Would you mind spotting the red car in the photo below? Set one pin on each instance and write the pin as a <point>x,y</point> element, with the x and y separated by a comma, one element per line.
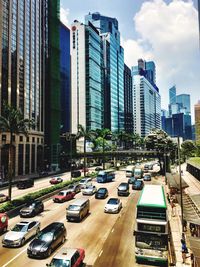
<point>63,196</point>
<point>56,180</point>
<point>72,257</point>
<point>3,222</point>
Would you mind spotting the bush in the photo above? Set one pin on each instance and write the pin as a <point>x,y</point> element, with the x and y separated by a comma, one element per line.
<point>32,196</point>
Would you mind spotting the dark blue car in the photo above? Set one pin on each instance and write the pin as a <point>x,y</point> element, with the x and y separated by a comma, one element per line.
<point>138,185</point>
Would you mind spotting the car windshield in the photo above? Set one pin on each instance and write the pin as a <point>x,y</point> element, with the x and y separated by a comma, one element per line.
<point>30,205</point>
<point>61,193</point>
<point>46,237</point>
<point>71,186</point>
<point>89,187</point>
<point>82,181</point>
<point>138,182</point>
<point>59,263</point>
<point>151,241</point>
<point>73,207</point>
<point>102,191</point>
<point>113,201</point>
<point>19,228</point>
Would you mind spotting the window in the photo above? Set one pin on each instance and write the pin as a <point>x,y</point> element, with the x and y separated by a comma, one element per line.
<point>3,138</point>
<point>21,138</point>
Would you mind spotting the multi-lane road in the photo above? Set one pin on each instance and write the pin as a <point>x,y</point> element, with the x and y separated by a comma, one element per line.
<point>107,238</point>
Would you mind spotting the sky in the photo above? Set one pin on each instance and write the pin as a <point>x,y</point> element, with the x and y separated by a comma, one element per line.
<point>165,31</point>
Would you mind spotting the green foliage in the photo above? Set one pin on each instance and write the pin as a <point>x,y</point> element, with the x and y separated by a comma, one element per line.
<point>188,149</point>
<point>195,161</point>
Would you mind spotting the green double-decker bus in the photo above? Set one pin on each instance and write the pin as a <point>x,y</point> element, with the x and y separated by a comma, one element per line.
<point>151,226</point>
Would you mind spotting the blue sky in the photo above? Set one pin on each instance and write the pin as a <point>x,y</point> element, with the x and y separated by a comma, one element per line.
<point>165,31</point>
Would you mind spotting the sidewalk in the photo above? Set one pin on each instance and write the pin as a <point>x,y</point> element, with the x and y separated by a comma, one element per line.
<point>175,222</point>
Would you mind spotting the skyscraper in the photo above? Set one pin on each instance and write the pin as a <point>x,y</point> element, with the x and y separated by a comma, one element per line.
<point>197,120</point>
<point>128,100</point>
<point>113,66</point>
<point>172,95</point>
<point>184,101</point>
<point>65,78</point>
<point>147,106</point>
<point>22,76</point>
<point>87,95</point>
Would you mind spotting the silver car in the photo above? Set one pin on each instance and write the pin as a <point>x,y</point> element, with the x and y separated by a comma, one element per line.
<point>85,181</point>
<point>20,233</point>
<point>89,190</point>
<point>113,205</point>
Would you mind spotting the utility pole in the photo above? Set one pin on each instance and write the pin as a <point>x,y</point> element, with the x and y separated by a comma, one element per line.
<point>181,192</point>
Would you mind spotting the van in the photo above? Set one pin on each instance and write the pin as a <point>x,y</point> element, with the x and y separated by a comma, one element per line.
<point>130,171</point>
<point>25,183</point>
<point>75,174</point>
<point>123,189</point>
<point>78,209</point>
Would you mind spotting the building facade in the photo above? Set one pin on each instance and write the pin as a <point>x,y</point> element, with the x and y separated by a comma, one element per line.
<point>146,106</point>
<point>184,101</point>
<point>113,68</point>
<point>21,79</point>
<point>197,121</point>
<point>65,73</point>
<point>128,100</point>
<point>87,95</point>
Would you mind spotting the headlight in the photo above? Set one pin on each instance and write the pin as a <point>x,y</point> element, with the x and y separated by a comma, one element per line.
<point>43,249</point>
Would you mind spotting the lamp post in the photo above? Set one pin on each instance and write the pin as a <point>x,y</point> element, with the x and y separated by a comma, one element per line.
<point>181,193</point>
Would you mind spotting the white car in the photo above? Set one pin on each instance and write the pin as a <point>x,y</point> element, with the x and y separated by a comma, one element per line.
<point>89,190</point>
<point>85,181</point>
<point>20,233</point>
<point>113,205</point>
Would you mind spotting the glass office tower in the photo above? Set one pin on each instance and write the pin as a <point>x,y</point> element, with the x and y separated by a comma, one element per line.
<point>184,101</point>
<point>128,100</point>
<point>113,55</point>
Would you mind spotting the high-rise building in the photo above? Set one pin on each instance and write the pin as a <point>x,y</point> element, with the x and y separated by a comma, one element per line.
<point>21,78</point>
<point>87,95</point>
<point>28,78</point>
<point>172,95</point>
<point>147,106</point>
<point>184,101</point>
<point>113,66</point>
<point>65,78</point>
<point>197,120</point>
<point>128,100</point>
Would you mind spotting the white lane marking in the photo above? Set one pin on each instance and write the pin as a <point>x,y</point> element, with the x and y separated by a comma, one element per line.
<point>112,230</point>
<point>7,263</point>
<point>100,253</point>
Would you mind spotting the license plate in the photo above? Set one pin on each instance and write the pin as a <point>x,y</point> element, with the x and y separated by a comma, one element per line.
<point>34,252</point>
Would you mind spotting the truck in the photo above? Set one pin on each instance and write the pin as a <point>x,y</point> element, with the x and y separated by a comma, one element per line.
<point>138,172</point>
<point>105,176</point>
<point>130,171</point>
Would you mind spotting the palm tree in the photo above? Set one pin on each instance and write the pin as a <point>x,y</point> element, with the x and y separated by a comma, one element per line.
<point>13,122</point>
<point>103,134</point>
<point>87,135</point>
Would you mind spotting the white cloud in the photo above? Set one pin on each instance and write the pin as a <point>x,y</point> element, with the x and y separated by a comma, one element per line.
<point>64,13</point>
<point>169,36</point>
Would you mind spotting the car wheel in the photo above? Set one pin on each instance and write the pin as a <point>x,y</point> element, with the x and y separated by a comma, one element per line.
<point>22,242</point>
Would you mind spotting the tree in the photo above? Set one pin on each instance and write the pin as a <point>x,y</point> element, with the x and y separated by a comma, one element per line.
<point>87,135</point>
<point>13,122</point>
<point>102,135</point>
<point>188,149</point>
<point>160,141</point>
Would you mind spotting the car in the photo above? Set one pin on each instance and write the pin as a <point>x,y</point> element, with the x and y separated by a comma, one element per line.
<point>76,188</point>
<point>97,169</point>
<point>131,180</point>
<point>32,209</point>
<point>113,205</point>
<point>68,257</point>
<point>25,183</point>
<point>3,222</point>
<point>138,185</point>
<point>75,173</point>
<point>3,198</point>
<point>123,189</point>
<point>43,173</point>
<point>89,190</point>
<point>47,240</point>
<point>147,177</point>
<point>56,180</point>
<point>63,196</point>
<point>102,192</point>
<point>85,181</point>
<point>20,233</point>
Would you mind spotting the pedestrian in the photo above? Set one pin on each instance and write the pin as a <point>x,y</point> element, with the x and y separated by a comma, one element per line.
<point>172,206</point>
<point>184,250</point>
<point>168,198</point>
<point>184,225</point>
